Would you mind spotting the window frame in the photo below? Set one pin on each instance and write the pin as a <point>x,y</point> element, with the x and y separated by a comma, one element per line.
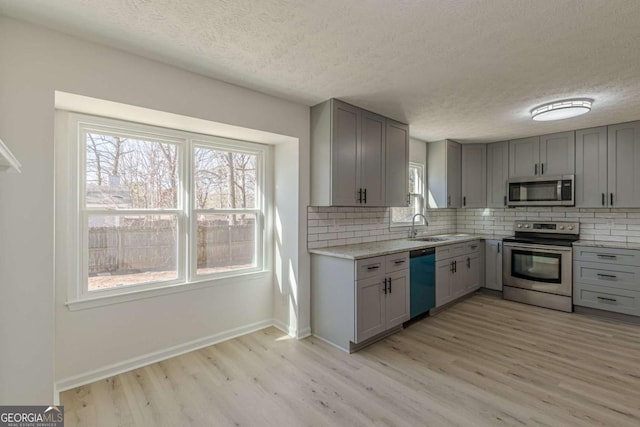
<point>419,197</point>
<point>74,142</point>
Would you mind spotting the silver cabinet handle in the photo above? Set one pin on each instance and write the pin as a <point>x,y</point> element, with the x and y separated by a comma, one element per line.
<point>607,256</point>
<point>541,168</point>
<point>607,299</point>
<point>373,267</point>
<point>385,286</point>
<point>399,261</point>
<point>607,276</point>
<point>389,284</point>
<point>498,247</point>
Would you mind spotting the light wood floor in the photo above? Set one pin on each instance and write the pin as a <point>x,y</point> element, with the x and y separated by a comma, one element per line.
<point>483,362</point>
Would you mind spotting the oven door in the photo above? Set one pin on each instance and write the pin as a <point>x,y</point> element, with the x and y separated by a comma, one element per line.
<point>540,268</point>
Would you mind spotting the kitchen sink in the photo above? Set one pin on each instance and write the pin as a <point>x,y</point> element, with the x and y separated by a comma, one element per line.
<point>433,239</point>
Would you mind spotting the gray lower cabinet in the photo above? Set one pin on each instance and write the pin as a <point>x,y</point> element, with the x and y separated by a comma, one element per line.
<point>493,264</point>
<point>607,279</point>
<point>354,301</point>
<point>458,268</point>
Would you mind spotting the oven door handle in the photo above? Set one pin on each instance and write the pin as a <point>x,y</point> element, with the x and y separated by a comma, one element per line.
<point>539,248</point>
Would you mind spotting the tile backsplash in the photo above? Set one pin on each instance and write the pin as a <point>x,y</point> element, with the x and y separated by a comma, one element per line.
<point>613,225</point>
<point>333,226</point>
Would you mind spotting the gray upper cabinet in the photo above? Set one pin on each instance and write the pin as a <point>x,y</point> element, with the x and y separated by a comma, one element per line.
<point>349,157</point>
<point>624,165</point>
<point>345,137</point>
<point>557,154</point>
<point>591,168</point>
<point>524,156</point>
<point>552,154</point>
<point>444,170</point>
<point>397,165</point>
<point>371,163</point>
<point>474,175</point>
<point>497,174</point>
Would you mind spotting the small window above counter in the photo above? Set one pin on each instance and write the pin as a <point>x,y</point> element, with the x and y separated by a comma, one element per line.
<point>8,163</point>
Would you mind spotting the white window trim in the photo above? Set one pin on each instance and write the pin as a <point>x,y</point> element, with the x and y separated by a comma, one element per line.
<point>406,225</point>
<point>69,127</point>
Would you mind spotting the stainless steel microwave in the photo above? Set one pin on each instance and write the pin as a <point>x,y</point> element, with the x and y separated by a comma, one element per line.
<point>541,191</point>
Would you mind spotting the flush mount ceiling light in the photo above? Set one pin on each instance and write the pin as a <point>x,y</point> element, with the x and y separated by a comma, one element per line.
<point>561,109</point>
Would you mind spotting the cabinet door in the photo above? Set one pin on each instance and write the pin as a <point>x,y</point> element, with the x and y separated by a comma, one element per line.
<point>557,154</point>
<point>370,308</point>
<point>459,278</point>
<point>397,299</point>
<point>444,273</point>
<point>493,264</point>
<point>474,175</point>
<point>591,168</point>
<point>372,159</point>
<point>624,165</point>
<point>472,270</point>
<point>454,161</point>
<point>397,164</point>
<point>524,156</point>
<point>345,129</point>
<point>497,174</point>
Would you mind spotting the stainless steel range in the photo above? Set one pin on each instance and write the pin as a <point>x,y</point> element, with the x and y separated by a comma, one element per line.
<point>537,264</point>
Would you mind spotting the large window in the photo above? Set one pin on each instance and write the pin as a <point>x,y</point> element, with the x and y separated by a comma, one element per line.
<point>401,217</point>
<point>160,207</point>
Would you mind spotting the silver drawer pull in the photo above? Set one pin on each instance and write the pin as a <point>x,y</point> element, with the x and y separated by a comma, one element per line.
<point>607,256</point>
<point>373,267</point>
<point>607,276</point>
<point>399,261</point>
<point>607,299</point>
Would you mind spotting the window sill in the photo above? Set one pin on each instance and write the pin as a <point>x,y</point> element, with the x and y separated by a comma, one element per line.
<point>133,295</point>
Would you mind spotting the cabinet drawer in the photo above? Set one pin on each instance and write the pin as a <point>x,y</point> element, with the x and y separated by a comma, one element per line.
<point>607,255</point>
<point>369,267</point>
<point>607,275</point>
<point>397,262</point>
<point>457,249</point>
<point>618,300</point>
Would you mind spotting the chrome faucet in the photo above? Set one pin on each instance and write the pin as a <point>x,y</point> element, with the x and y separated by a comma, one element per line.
<point>413,233</point>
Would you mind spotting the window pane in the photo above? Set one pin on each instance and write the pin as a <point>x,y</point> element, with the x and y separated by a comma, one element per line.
<point>224,179</point>
<point>126,173</point>
<point>226,242</point>
<point>131,250</point>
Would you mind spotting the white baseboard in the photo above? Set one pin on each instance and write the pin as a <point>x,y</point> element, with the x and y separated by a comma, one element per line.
<point>303,333</point>
<point>287,329</point>
<point>157,356</point>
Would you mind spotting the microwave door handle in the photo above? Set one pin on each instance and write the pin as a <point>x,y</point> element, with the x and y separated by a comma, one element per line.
<point>559,190</point>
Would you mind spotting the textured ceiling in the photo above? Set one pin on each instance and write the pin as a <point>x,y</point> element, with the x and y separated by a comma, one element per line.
<point>468,70</point>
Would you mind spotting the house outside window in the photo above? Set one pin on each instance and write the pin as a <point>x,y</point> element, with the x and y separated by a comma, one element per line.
<point>159,207</point>
<point>401,217</point>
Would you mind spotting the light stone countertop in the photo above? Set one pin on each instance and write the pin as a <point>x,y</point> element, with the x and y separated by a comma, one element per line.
<point>367,250</point>
<point>607,244</point>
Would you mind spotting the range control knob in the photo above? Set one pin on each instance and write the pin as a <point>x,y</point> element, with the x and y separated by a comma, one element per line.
<point>526,226</point>
<point>571,227</point>
<point>519,225</point>
<point>562,227</point>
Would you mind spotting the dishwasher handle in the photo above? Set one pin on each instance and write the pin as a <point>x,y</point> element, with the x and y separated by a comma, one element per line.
<point>422,252</point>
